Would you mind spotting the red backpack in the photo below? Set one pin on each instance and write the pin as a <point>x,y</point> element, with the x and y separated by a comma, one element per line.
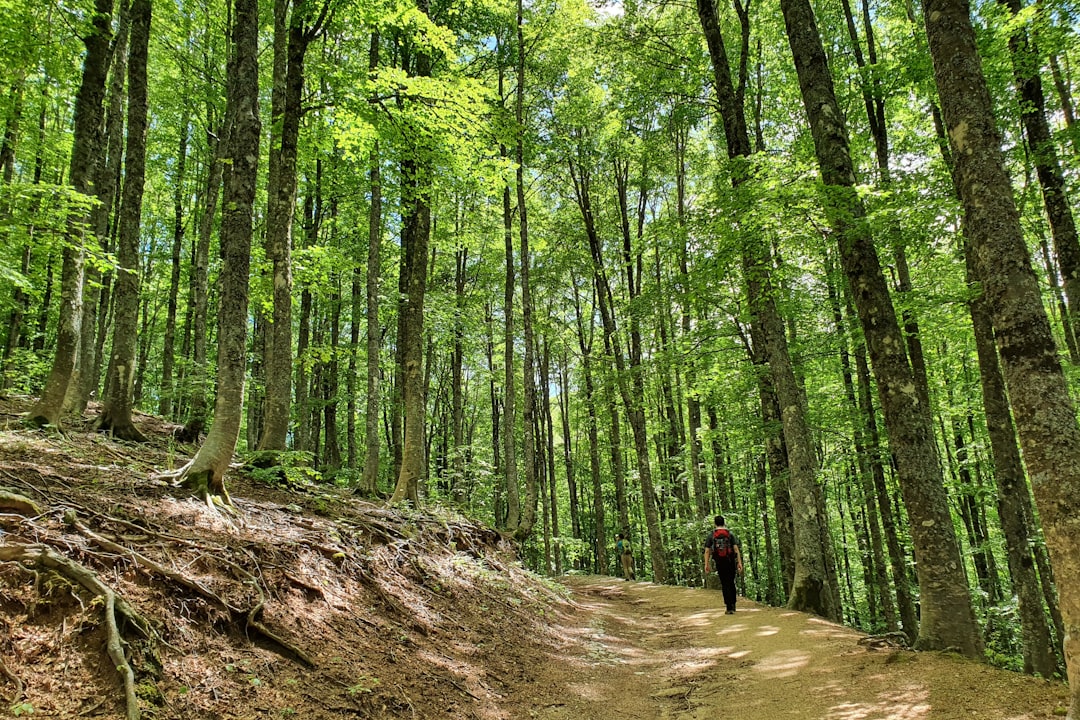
<point>722,546</point>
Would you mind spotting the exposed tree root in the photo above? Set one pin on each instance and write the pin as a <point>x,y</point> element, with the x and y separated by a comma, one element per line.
<point>45,557</point>
<point>14,679</point>
<point>19,503</point>
<point>249,617</point>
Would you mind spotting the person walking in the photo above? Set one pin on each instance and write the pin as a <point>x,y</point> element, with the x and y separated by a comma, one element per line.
<point>626,556</point>
<point>722,549</point>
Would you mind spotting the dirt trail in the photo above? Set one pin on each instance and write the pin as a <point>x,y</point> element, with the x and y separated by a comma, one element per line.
<point>638,650</point>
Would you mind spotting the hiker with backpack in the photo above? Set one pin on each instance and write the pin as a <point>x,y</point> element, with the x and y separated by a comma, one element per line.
<point>722,549</point>
<point>626,556</point>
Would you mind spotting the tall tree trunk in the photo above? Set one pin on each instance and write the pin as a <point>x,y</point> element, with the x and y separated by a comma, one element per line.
<point>168,352</point>
<point>568,454</point>
<point>585,343</point>
<point>1029,89</point>
<point>863,464</point>
<point>116,414</point>
<point>217,144</point>
<point>528,362</point>
<point>205,474</point>
<point>370,481</point>
<point>107,172</point>
<point>457,399</point>
<point>84,152</point>
<point>810,590</point>
<point>509,437</point>
<point>292,36</point>
<point>1044,413</point>
<point>948,619</point>
<point>416,237</point>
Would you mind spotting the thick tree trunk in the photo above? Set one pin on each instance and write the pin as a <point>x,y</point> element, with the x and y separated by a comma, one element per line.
<point>1044,412</point>
<point>948,619</point>
<point>84,151</point>
<point>205,474</point>
<point>86,378</point>
<point>116,414</point>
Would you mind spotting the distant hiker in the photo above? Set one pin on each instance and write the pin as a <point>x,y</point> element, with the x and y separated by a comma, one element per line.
<point>722,549</point>
<point>626,556</point>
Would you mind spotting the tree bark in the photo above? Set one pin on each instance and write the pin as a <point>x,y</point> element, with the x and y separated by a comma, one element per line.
<point>84,149</point>
<point>292,36</point>
<point>416,237</point>
<point>1029,90</point>
<point>810,590</point>
<point>168,352</point>
<point>205,474</point>
<point>948,619</point>
<point>116,414</point>
<point>1043,410</point>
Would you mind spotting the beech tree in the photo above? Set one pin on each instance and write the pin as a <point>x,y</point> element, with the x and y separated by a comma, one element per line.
<point>1040,400</point>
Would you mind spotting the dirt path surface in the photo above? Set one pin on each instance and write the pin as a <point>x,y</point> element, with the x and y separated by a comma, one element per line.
<point>637,651</point>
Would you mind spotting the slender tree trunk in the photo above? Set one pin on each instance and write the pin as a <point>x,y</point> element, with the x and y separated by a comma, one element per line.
<point>200,285</point>
<point>416,237</point>
<point>84,151</point>
<point>370,481</point>
<point>168,353</point>
<point>863,469</point>
<point>116,414</point>
<point>1043,410</point>
<point>568,455</point>
<point>292,36</point>
<point>1029,89</point>
<point>585,343</point>
<point>528,362</point>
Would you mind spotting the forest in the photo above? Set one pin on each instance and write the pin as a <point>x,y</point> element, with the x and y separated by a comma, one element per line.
<point>584,268</point>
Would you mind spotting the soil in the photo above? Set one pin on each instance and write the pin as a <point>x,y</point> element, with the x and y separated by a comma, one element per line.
<point>304,601</point>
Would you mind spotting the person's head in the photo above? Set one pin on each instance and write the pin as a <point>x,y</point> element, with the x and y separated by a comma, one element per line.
<point>618,536</point>
<point>719,520</point>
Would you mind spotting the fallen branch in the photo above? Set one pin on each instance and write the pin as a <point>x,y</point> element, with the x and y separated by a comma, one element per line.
<point>46,557</point>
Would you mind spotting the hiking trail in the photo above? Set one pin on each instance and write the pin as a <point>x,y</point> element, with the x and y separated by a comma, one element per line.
<point>637,651</point>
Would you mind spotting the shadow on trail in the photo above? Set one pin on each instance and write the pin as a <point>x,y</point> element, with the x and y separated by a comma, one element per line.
<point>638,650</point>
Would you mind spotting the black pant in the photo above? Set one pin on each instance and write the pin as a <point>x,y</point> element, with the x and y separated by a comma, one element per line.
<point>725,569</point>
